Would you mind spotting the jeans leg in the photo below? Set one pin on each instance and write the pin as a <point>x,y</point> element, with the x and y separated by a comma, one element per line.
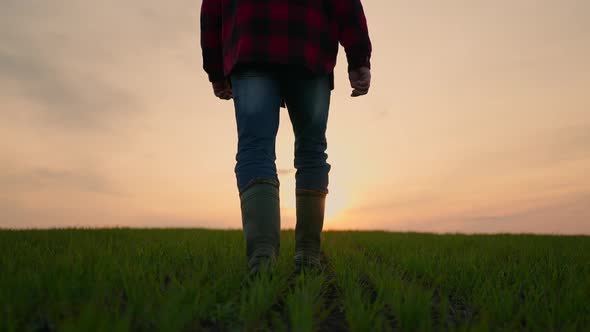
<point>256,96</point>
<point>308,102</point>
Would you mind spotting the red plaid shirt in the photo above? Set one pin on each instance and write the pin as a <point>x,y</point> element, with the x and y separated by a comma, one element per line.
<point>299,32</point>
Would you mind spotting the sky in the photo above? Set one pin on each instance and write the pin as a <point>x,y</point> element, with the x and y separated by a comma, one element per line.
<point>477,120</point>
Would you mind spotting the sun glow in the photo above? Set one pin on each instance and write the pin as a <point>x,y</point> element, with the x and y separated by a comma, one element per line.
<point>336,202</point>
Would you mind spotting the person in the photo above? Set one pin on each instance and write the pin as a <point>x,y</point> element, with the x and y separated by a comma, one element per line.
<point>273,54</point>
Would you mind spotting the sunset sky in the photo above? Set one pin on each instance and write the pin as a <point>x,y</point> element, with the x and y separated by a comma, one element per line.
<point>478,120</point>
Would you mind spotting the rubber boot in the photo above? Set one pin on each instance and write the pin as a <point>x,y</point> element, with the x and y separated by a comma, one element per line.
<point>261,222</point>
<point>310,207</point>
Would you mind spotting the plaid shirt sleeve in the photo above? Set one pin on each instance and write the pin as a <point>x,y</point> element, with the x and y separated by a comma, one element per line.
<point>353,33</point>
<point>211,43</point>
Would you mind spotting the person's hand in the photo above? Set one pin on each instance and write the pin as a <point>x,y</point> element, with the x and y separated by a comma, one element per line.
<point>360,81</point>
<point>222,89</point>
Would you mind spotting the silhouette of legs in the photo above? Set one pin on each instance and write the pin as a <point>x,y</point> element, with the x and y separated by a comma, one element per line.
<point>308,102</point>
<point>257,94</point>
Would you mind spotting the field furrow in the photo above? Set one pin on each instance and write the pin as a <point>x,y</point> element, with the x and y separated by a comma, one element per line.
<point>447,310</point>
<point>278,315</point>
<point>262,304</point>
<point>364,310</point>
<point>335,319</point>
<point>370,288</point>
<point>304,303</point>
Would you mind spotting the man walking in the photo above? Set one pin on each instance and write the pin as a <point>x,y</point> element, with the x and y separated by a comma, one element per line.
<point>271,54</point>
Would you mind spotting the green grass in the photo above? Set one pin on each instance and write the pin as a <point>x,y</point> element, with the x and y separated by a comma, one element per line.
<point>192,280</point>
<point>304,302</point>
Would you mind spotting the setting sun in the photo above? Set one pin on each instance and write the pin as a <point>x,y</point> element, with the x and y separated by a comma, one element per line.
<point>336,202</point>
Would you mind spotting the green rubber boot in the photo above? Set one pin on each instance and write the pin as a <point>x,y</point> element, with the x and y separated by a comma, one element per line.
<point>262,224</point>
<point>310,221</point>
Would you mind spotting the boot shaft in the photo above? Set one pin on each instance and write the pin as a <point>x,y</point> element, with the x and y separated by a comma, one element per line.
<point>261,222</point>
<point>310,221</point>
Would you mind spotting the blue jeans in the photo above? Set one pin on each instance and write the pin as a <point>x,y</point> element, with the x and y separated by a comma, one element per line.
<point>257,95</point>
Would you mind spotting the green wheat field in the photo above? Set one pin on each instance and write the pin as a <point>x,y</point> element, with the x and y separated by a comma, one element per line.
<point>193,280</point>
